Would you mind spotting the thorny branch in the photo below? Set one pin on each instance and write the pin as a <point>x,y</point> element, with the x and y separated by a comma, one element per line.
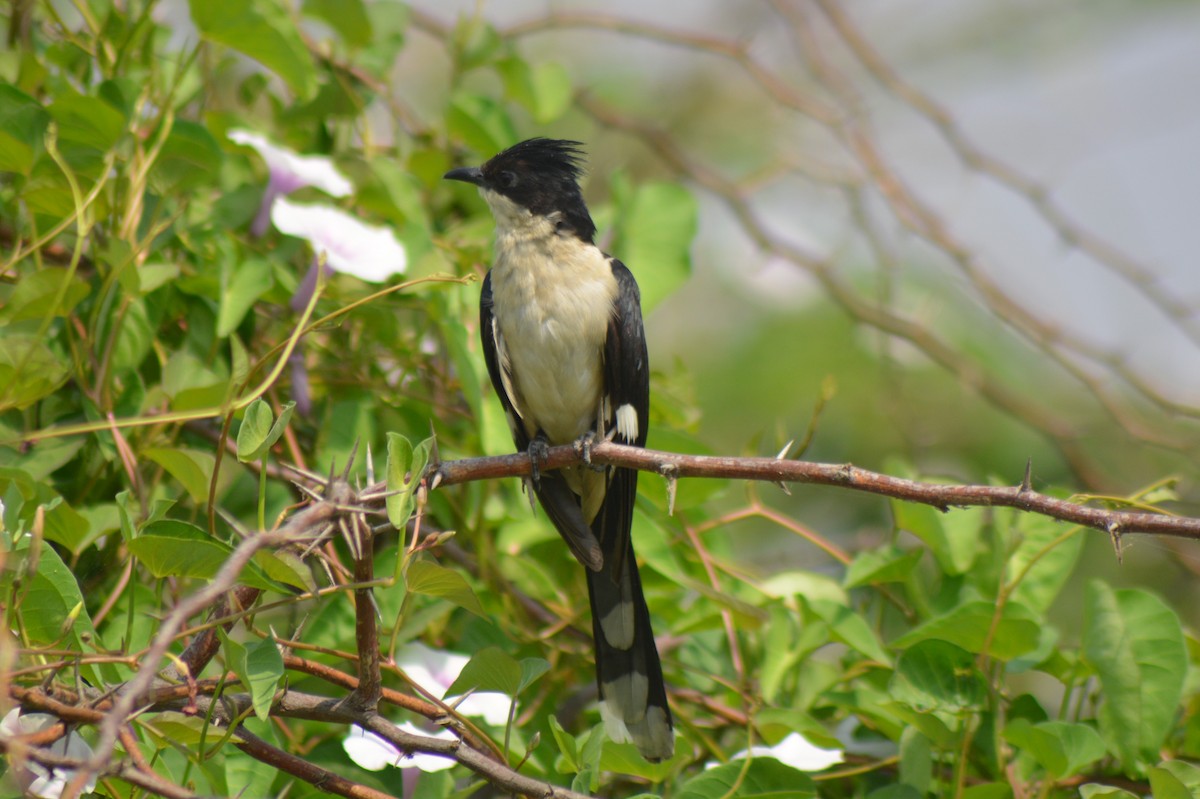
<point>945,497</point>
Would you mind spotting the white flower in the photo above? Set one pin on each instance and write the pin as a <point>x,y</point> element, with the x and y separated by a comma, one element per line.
<point>796,751</point>
<point>436,671</point>
<point>290,170</point>
<point>373,753</point>
<point>36,779</point>
<point>350,246</point>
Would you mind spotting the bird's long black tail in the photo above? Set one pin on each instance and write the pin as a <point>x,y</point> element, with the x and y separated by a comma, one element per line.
<point>633,697</point>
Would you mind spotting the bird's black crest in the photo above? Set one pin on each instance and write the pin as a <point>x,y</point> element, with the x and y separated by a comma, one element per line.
<point>543,176</point>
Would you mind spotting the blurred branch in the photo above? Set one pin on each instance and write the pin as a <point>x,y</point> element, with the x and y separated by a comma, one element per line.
<point>777,470</point>
<point>830,95</point>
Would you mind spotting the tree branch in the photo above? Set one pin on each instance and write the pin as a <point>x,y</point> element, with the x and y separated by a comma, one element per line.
<point>844,475</point>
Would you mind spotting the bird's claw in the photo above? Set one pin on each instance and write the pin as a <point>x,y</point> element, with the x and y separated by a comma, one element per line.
<point>583,445</point>
<point>539,450</point>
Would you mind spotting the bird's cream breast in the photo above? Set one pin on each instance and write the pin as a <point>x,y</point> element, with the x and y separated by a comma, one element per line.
<point>553,294</point>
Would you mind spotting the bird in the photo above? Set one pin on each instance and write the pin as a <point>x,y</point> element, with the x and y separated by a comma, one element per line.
<point>562,335</point>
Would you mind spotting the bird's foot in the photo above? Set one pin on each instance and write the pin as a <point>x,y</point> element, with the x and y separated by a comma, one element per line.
<point>583,445</point>
<point>539,450</point>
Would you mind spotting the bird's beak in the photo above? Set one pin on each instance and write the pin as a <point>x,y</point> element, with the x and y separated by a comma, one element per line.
<point>467,174</point>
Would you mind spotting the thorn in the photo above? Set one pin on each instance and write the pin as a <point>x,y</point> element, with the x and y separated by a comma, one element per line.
<point>434,455</point>
<point>671,472</point>
<point>435,479</point>
<point>375,605</point>
<point>1027,480</point>
<point>350,539</point>
<point>350,459</point>
<point>328,571</point>
<point>783,452</point>
<point>784,487</point>
<point>308,492</point>
<point>370,466</point>
<point>1114,534</point>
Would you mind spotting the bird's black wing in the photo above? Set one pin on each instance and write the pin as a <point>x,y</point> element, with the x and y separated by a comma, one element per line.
<point>560,503</point>
<point>632,692</point>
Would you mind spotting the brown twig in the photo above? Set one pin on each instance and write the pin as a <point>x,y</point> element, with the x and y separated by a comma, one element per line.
<point>942,496</point>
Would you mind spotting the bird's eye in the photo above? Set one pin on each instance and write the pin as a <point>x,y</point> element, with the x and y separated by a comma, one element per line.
<point>507,179</point>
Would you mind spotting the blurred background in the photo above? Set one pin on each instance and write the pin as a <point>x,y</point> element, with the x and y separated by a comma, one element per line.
<point>964,231</point>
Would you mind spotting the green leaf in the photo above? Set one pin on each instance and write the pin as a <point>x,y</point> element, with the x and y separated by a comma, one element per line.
<point>261,430</point>
<point>170,729</point>
<point>952,537</point>
<point>851,629</point>
<point>780,654</point>
<point>54,612</point>
<point>87,120</point>
<point>193,383</point>
<point>936,675</point>
<point>255,427</point>
<point>53,604</point>
<point>49,292</point>
<point>566,746</point>
<point>480,122</point>
<point>405,467</point>
<point>432,579</point>
<point>246,773</point>
<point>759,778</point>
<point>1047,576</point>
<point>654,238</point>
<point>531,670</point>
<point>262,30</point>
<point>916,760</point>
<point>347,17</point>
<point>968,624</point>
<point>989,790</point>
<point>190,156</point>
<point>1096,790</point>
<point>389,20</point>
<point>171,548</point>
<point>252,278</point>
<point>192,468</point>
<point>888,564</point>
<point>264,670</point>
<point>287,567</point>
<point>625,759</point>
<point>23,124</point>
<point>897,791</point>
<point>490,669</point>
<point>1062,748</point>
<point>1134,643</point>
<point>475,41</point>
<point>1165,785</point>
<point>1185,772</point>
<point>544,89</point>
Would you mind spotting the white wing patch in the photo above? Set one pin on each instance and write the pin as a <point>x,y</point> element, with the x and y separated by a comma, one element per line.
<point>627,422</point>
<point>506,373</point>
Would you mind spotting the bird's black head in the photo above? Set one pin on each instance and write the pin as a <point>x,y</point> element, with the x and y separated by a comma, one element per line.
<point>541,175</point>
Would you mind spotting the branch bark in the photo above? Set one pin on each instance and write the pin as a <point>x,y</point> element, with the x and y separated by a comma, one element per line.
<point>943,496</point>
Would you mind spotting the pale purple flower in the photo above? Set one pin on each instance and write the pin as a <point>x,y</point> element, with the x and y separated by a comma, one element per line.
<point>436,671</point>
<point>796,751</point>
<point>355,248</point>
<point>373,753</point>
<point>289,171</point>
<point>45,782</point>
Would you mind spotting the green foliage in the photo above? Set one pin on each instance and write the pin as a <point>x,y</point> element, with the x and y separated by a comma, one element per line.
<point>155,380</point>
